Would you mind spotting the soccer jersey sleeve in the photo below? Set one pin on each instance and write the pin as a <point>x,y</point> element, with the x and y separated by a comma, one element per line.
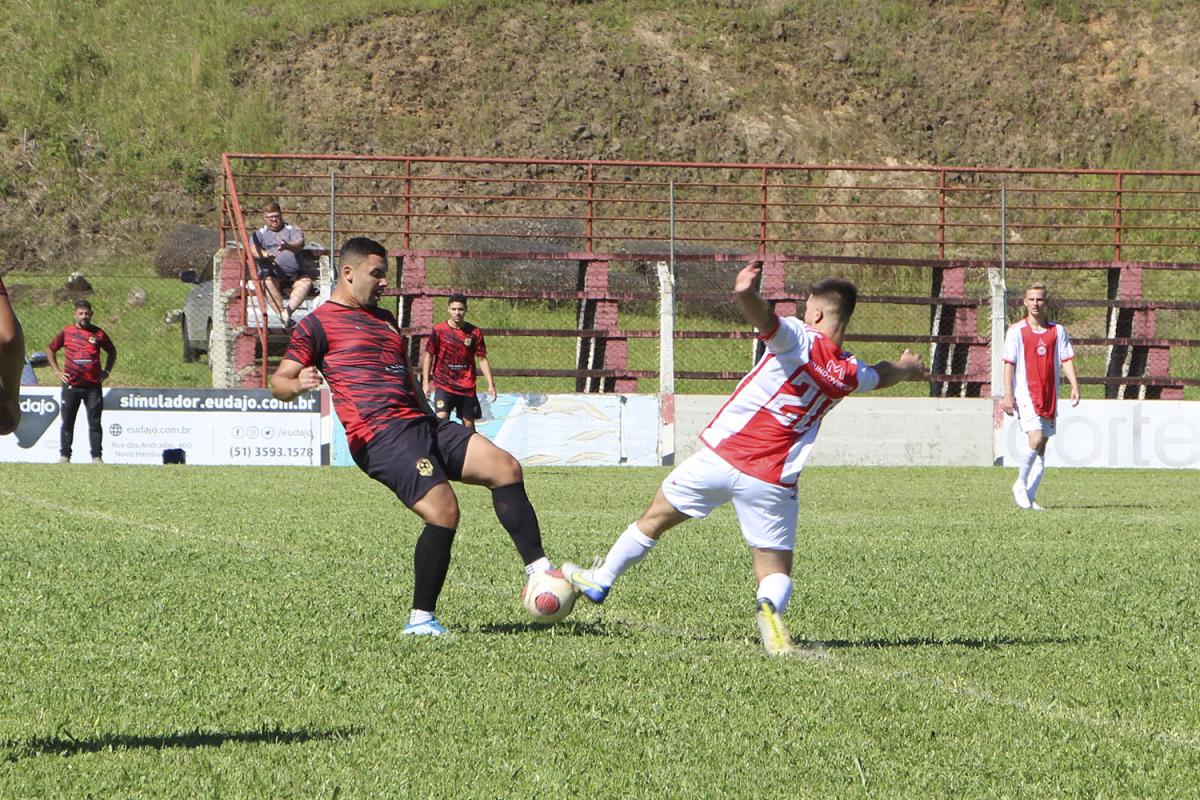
<point>788,335</point>
<point>58,341</point>
<point>480,347</point>
<point>868,376</point>
<point>1065,351</point>
<point>303,347</point>
<point>1012,344</point>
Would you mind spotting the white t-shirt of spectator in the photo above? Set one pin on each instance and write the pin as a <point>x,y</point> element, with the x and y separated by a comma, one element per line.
<point>768,425</point>
<point>268,242</point>
<point>1037,356</point>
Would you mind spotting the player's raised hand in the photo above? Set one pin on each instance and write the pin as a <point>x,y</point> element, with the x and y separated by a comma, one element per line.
<point>749,278</point>
<point>914,364</point>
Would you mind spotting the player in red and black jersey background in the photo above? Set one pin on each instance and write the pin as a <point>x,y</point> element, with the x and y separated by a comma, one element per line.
<point>82,377</point>
<point>448,365</point>
<point>357,348</point>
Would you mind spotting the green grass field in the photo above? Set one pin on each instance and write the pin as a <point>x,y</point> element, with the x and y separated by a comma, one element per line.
<point>175,632</point>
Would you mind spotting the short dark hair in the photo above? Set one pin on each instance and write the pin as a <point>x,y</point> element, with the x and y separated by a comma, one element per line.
<point>273,208</point>
<point>841,292</point>
<point>358,248</point>
<point>83,304</point>
<point>457,297</point>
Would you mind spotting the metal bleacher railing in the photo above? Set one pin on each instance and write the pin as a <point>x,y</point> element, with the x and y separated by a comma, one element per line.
<point>559,257</point>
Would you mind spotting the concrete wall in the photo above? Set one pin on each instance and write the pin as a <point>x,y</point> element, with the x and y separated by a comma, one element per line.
<point>876,431</point>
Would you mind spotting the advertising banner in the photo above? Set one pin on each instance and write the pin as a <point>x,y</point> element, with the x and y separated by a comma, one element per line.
<point>1156,434</point>
<point>585,430</point>
<point>210,426</point>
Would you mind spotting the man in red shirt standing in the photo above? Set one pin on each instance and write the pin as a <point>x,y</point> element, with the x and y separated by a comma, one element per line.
<point>1036,353</point>
<point>12,359</point>
<point>82,377</point>
<point>448,365</point>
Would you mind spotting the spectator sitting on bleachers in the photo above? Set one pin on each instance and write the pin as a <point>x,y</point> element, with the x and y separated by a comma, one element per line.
<point>278,250</point>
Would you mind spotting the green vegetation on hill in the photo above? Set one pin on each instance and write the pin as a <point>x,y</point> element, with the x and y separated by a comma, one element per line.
<point>113,118</point>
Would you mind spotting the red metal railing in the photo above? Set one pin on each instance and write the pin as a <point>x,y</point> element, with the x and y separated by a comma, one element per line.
<point>937,218</point>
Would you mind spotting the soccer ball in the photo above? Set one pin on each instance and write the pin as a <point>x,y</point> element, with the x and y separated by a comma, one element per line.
<point>548,596</point>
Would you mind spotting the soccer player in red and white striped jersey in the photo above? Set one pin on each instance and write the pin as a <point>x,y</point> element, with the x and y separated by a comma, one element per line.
<point>1037,353</point>
<point>757,443</point>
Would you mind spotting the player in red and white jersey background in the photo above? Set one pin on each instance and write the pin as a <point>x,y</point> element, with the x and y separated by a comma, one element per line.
<point>757,443</point>
<point>1037,353</point>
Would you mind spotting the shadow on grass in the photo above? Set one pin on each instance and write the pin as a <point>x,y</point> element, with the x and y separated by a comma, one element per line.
<point>992,643</point>
<point>566,628</point>
<point>64,744</point>
<point>1095,506</point>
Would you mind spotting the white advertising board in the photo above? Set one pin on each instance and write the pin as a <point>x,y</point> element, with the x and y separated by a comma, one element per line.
<point>1156,434</point>
<point>562,429</point>
<point>211,426</point>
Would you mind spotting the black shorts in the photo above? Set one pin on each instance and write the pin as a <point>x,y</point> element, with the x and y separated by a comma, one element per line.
<point>305,268</point>
<point>412,456</point>
<point>465,405</point>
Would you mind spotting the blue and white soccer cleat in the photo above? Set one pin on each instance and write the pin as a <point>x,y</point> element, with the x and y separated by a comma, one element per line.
<point>430,627</point>
<point>585,581</point>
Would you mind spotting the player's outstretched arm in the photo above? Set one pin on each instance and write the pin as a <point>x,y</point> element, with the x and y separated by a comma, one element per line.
<point>1068,371</point>
<point>1008,403</point>
<point>292,379</point>
<point>745,288</point>
<point>12,361</point>
<point>909,367</point>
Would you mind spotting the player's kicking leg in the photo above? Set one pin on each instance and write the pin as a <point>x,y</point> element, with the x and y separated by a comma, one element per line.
<point>485,464</point>
<point>631,547</point>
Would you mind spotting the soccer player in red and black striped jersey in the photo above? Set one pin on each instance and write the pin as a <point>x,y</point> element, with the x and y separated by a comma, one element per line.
<point>12,359</point>
<point>448,365</point>
<point>82,377</point>
<point>357,348</point>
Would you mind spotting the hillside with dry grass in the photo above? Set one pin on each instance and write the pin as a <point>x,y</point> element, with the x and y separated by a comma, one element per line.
<point>113,122</point>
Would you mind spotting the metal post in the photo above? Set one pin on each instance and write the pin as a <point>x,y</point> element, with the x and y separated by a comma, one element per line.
<point>997,279</point>
<point>666,364</point>
<point>672,228</point>
<point>332,213</point>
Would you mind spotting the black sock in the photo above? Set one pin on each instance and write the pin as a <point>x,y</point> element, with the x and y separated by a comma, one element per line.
<point>431,562</point>
<point>516,514</point>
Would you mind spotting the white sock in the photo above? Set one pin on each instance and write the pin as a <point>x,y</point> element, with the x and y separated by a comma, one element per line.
<point>776,587</point>
<point>1025,458</point>
<point>416,616</point>
<point>630,547</point>
<point>541,565</point>
<point>1035,475</point>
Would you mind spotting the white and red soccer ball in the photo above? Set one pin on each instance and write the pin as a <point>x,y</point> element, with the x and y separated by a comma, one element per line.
<point>548,596</point>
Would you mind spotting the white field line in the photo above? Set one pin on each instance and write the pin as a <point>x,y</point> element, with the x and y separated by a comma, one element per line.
<point>1183,739</point>
<point>1187,740</point>
<point>90,514</point>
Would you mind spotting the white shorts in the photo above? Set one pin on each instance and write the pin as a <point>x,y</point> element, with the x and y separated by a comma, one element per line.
<point>766,511</point>
<point>1029,421</point>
